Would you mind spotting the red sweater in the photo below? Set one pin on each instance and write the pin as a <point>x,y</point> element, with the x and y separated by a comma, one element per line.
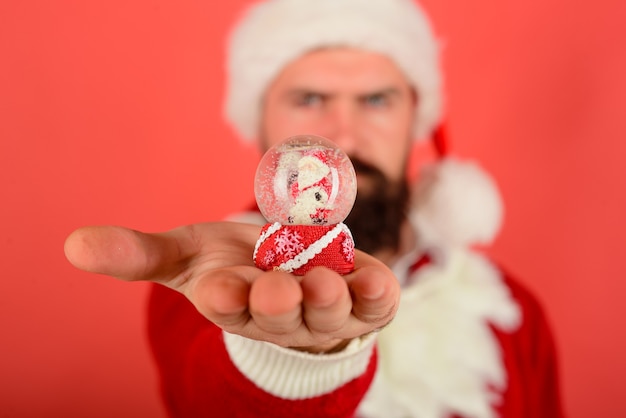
<point>199,379</point>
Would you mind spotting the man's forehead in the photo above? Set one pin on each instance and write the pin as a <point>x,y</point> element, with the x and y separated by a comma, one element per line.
<point>340,67</point>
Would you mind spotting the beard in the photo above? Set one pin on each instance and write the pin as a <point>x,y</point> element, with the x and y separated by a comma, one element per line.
<point>379,211</point>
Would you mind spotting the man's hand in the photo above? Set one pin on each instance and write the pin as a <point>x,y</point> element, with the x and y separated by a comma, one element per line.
<point>211,264</point>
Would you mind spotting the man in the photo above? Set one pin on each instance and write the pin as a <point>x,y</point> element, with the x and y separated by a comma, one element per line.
<point>466,339</point>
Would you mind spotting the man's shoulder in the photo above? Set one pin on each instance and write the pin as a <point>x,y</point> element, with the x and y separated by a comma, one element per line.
<point>524,295</point>
<point>534,333</point>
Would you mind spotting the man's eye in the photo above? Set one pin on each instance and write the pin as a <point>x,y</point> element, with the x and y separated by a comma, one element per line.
<point>376,100</point>
<point>309,99</point>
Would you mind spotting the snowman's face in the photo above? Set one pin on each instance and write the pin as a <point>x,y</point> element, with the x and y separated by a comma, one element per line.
<point>309,207</point>
<point>311,170</point>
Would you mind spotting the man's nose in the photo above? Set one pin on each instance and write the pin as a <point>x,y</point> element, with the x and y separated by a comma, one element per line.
<point>343,126</point>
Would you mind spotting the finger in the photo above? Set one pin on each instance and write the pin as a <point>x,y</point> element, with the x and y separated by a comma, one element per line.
<point>128,254</point>
<point>222,297</point>
<point>275,303</point>
<point>375,291</point>
<point>327,303</point>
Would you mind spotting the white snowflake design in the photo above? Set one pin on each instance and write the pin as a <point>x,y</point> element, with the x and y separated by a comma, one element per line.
<point>347,246</point>
<point>269,257</point>
<point>288,243</point>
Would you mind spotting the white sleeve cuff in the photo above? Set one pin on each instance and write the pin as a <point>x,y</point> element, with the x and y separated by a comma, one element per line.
<point>292,374</point>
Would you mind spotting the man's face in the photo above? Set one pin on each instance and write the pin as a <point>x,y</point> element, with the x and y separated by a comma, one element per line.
<point>358,99</point>
<point>361,101</point>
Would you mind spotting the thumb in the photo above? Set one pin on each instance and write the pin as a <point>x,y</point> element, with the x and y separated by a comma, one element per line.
<point>125,253</point>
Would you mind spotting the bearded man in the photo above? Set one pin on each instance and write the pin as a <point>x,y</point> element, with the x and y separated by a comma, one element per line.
<point>467,339</point>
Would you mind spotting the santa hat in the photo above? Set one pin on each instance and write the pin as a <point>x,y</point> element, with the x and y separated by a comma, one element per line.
<point>274,33</point>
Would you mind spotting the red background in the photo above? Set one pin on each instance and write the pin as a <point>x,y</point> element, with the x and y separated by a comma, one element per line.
<point>110,113</point>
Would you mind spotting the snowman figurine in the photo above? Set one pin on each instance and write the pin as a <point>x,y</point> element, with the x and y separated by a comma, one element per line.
<point>305,187</point>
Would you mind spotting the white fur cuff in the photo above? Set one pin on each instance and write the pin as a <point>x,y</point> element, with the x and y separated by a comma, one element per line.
<point>292,374</point>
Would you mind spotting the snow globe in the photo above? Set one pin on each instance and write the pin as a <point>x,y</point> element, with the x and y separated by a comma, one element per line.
<point>305,187</point>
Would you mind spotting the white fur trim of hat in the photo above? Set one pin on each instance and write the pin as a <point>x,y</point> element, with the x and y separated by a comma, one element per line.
<point>272,34</point>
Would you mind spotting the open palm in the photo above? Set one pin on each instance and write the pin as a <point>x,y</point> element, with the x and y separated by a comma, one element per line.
<point>211,264</point>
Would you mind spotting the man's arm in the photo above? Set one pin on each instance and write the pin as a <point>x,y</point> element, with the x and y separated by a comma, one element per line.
<point>211,264</point>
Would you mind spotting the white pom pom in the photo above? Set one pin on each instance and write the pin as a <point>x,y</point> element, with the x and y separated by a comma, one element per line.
<point>456,204</point>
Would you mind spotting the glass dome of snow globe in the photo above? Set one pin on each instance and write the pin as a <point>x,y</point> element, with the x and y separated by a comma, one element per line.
<point>305,180</point>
